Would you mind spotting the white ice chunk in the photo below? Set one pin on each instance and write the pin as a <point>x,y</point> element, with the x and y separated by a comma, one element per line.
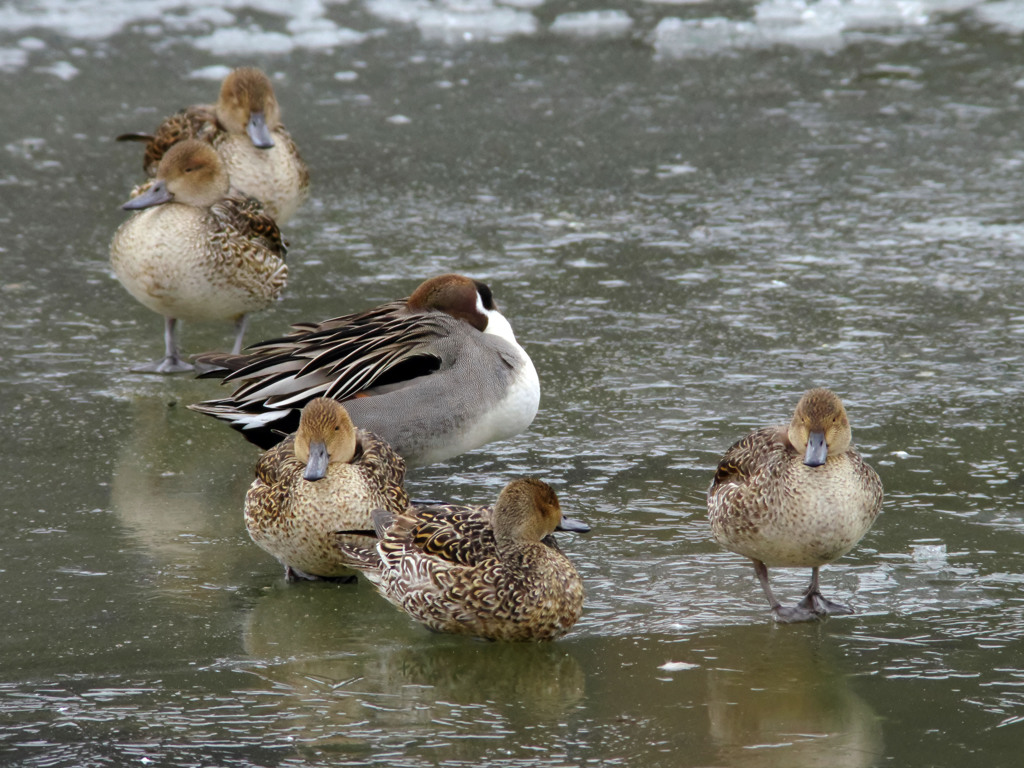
<point>237,42</point>
<point>1008,15</point>
<point>449,20</point>
<point>12,59</point>
<point>65,70</point>
<point>215,72</point>
<point>593,24</point>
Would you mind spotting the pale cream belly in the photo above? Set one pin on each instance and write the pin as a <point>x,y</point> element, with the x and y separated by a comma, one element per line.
<point>810,526</point>
<point>273,176</point>
<point>798,541</point>
<point>163,258</point>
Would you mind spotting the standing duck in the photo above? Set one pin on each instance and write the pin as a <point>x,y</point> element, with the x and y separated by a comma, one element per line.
<point>796,496</point>
<point>244,126</point>
<point>435,375</point>
<point>192,252</point>
<point>492,573</point>
<point>318,488</point>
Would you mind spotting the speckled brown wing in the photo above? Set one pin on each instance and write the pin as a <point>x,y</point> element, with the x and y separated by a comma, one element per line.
<point>458,535</point>
<point>746,455</point>
<point>247,217</point>
<point>195,122</point>
<point>384,468</point>
<point>276,472</point>
<point>735,498</point>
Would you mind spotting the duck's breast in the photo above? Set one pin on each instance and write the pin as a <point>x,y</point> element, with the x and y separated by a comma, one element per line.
<point>276,176</point>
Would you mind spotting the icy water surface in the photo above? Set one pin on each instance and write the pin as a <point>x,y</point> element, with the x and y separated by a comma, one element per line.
<point>690,212</point>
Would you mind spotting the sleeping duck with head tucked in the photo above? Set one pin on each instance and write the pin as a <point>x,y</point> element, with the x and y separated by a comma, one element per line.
<point>796,496</point>
<point>191,251</point>
<point>319,488</point>
<point>244,126</point>
<point>494,573</point>
<point>435,375</point>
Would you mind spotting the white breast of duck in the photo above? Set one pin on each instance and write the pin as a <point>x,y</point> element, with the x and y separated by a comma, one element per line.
<point>515,411</point>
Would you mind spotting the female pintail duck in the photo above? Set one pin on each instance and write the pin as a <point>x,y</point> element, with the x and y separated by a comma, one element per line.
<point>435,375</point>
<point>496,574</point>
<point>244,126</point>
<point>796,496</point>
<point>194,253</point>
<point>318,488</point>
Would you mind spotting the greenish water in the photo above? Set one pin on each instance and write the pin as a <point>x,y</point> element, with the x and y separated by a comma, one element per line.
<point>683,244</point>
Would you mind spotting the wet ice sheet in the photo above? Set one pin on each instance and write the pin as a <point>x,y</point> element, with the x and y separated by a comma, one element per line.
<point>682,247</point>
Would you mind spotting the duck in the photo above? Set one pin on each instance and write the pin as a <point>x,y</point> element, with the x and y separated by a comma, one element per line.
<point>193,252</point>
<point>796,496</point>
<point>318,488</point>
<point>434,375</point>
<point>245,128</point>
<point>490,572</point>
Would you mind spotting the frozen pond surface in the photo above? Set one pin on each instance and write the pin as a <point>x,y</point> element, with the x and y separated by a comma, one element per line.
<point>690,212</point>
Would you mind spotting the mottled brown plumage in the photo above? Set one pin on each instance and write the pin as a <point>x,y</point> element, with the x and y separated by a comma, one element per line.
<point>795,496</point>
<point>319,487</point>
<point>244,126</point>
<point>493,573</point>
<point>196,122</point>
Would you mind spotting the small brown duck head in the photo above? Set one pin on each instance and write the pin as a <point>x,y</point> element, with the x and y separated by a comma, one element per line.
<point>191,173</point>
<point>247,105</point>
<point>527,510</point>
<point>326,435</point>
<point>820,427</point>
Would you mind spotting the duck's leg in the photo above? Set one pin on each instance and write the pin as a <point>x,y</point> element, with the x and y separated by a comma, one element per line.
<point>171,362</point>
<point>813,600</point>
<point>782,614</point>
<point>241,323</point>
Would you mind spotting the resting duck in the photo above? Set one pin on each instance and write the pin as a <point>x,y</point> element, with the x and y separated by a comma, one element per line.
<point>244,126</point>
<point>495,574</point>
<point>796,496</point>
<point>194,253</point>
<point>318,488</point>
<point>434,375</point>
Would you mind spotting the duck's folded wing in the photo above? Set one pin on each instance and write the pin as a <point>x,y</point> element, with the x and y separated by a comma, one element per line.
<point>742,459</point>
<point>341,362</point>
<point>195,122</point>
<point>457,535</point>
<point>247,217</point>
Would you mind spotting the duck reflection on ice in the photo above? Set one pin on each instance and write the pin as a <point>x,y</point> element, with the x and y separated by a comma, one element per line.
<point>343,664</point>
<point>776,698</point>
<point>182,505</point>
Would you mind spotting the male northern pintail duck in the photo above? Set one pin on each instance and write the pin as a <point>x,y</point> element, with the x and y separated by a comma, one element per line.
<point>493,573</point>
<point>796,496</point>
<point>435,375</point>
<point>318,488</point>
<point>244,126</point>
<point>192,252</point>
